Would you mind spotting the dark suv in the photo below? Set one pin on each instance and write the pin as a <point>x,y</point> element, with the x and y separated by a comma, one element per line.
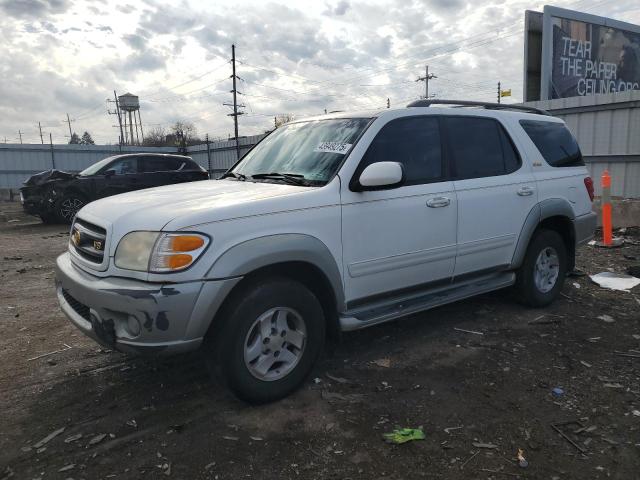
<point>56,196</point>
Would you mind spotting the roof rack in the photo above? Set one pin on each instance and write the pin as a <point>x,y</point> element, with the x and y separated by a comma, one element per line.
<point>487,105</point>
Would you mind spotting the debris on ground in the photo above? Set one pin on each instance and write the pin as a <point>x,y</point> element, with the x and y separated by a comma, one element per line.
<point>337,379</point>
<point>522,462</point>
<point>606,318</point>
<point>441,378</point>
<point>382,362</point>
<point>557,392</point>
<point>467,331</point>
<point>97,439</point>
<point>351,398</point>
<point>66,347</point>
<point>615,281</point>
<point>615,243</point>
<point>404,435</point>
<point>73,438</point>
<point>488,446</point>
<point>449,429</point>
<point>48,438</point>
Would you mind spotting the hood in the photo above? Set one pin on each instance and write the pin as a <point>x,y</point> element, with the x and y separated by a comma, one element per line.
<point>173,207</point>
<point>47,176</point>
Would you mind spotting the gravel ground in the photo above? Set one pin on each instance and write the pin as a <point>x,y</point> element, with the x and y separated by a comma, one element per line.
<point>479,395</point>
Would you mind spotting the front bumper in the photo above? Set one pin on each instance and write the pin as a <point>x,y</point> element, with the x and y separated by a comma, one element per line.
<point>135,316</point>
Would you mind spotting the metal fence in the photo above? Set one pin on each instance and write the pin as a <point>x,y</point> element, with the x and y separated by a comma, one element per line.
<point>18,162</point>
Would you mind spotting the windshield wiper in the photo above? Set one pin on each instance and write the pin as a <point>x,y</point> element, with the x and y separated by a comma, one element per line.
<point>238,176</point>
<point>292,178</point>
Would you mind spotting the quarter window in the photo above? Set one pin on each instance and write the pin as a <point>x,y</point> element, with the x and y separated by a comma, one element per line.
<point>415,143</point>
<point>480,148</point>
<point>555,143</point>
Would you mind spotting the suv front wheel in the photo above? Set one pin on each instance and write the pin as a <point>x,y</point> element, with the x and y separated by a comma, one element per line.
<point>541,276</point>
<point>270,335</point>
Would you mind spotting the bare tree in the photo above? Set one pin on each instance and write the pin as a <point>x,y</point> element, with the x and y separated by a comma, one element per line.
<point>280,120</point>
<point>156,137</point>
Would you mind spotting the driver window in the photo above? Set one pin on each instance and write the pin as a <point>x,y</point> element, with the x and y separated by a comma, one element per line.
<point>412,141</point>
<point>124,166</point>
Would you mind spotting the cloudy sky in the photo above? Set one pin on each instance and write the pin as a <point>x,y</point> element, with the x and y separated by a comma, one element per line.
<point>294,57</point>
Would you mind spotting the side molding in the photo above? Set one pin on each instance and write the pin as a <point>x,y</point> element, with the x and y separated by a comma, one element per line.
<point>551,207</point>
<point>261,252</point>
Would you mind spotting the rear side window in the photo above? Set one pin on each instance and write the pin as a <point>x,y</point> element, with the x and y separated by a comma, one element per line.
<point>555,143</point>
<point>161,164</point>
<point>480,148</point>
<point>415,143</point>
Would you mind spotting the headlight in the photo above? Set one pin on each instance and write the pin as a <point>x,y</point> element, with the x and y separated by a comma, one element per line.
<point>159,252</point>
<point>134,250</point>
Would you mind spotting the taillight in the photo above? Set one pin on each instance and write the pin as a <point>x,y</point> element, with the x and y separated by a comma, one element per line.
<point>588,183</point>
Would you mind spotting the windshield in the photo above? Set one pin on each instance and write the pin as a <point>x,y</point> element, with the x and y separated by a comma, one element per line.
<point>313,149</point>
<point>93,169</point>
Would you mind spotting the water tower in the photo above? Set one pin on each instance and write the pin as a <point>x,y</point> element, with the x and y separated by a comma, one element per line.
<point>129,104</point>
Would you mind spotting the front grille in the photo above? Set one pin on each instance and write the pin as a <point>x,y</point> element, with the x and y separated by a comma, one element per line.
<point>78,307</point>
<point>88,240</point>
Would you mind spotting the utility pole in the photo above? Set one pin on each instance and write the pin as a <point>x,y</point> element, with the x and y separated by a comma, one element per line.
<point>20,134</point>
<point>499,92</point>
<point>427,76</point>
<point>69,123</point>
<point>40,128</point>
<point>208,154</point>
<point>53,158</point>
<point>115,95</point>
<point>140,119</point>
<point>235,101</point>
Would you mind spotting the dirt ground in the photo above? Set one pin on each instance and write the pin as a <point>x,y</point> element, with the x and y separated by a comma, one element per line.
<point>478,396</point>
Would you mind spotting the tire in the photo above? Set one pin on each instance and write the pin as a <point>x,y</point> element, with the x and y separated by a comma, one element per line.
<point>67,207</point>
<point>236,349</point>
<point>540,278</point>
<point>48,218</point>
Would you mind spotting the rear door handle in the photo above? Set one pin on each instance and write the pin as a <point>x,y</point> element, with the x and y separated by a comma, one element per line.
<point>437,202</point>
<point>525,191</point>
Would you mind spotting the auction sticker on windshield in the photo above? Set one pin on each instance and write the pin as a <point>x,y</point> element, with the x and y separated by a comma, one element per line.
<point>333,147</point>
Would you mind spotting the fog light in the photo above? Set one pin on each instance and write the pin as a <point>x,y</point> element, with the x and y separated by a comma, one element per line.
<point>133,326</point>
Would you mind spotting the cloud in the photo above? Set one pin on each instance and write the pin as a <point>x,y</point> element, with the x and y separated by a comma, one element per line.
<point>125,8</point>
<point>338,55</point>
<point>146,61</point>
<point>339,10</point>
<point>135,41</point>
<point>27,9</point>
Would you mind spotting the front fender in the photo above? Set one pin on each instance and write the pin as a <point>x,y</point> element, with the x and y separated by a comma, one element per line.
<point>260,252</point>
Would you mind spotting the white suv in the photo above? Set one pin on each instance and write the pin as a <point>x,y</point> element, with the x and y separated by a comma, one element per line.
<point>331,224</point>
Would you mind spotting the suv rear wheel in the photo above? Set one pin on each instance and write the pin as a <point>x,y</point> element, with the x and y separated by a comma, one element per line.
<point>542,274</point>
<point>271,335</point>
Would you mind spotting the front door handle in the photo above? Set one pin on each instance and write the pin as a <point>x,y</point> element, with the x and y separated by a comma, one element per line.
<point>525,191</point>
<point>437,202</point>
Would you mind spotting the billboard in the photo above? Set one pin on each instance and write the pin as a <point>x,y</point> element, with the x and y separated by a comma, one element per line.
<point>579,55</point>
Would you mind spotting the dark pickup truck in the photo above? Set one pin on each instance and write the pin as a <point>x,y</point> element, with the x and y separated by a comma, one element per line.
<point>56,196</point>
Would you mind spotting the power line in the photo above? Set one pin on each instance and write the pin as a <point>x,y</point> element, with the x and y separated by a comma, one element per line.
<point>190,80</point>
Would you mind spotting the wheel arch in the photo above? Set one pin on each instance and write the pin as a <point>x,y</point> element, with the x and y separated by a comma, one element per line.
<point>553,214</point>
<point>301,257</point>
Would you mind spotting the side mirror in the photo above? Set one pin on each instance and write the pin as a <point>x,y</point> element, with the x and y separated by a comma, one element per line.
<point>381,175</point>
<point>109,173</point>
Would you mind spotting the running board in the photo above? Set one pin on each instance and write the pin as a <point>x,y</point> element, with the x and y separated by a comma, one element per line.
<point>380,312</point>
